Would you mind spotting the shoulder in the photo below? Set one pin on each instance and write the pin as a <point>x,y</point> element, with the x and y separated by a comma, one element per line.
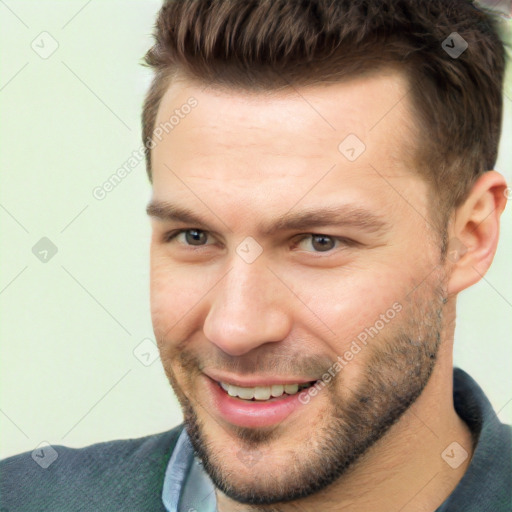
<point>487,483</point>
<point>115,475</point>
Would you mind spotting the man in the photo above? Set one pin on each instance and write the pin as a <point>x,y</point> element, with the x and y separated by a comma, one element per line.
<point>322,191</point>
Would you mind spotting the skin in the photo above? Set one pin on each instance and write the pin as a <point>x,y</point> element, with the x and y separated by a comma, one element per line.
<point>372,439</point>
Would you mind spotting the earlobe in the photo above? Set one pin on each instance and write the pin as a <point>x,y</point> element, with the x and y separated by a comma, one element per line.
<point>474,232</point>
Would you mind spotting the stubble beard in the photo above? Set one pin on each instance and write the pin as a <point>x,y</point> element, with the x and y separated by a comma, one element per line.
<point>398,369</point>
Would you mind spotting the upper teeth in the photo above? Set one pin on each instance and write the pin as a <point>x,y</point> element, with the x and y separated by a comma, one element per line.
<point>262,392</point>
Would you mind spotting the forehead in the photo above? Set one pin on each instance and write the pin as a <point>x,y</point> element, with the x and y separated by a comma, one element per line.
<point>262,146</point>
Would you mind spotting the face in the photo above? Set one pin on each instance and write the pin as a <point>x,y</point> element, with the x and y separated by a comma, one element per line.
<point>304,256</point>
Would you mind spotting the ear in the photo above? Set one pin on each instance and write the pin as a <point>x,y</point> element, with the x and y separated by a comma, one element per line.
<point>474,231</point>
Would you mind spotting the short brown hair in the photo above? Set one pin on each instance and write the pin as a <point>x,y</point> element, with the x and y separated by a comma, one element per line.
<point>268,44</point>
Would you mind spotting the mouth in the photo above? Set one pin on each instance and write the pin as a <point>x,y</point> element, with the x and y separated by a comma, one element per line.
<point>264,393</point>
<point>250,411</point>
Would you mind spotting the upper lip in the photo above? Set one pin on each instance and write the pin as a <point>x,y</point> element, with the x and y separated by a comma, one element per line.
<point>253,381</point>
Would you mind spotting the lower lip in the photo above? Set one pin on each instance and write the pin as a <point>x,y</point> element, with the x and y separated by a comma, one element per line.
<point>246,413</point>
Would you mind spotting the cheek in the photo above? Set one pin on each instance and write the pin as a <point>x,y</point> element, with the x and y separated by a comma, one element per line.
<point>349,302</point>
<point>174,294</point>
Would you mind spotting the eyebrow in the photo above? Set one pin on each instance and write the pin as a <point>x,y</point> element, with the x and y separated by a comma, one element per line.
<point>337,215</point>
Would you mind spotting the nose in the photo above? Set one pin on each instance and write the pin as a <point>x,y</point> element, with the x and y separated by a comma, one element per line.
<point>248,309</point>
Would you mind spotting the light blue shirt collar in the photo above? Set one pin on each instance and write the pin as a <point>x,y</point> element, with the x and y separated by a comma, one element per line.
<point>187,487</point>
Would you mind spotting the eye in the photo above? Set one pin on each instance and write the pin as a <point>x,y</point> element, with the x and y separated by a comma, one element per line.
<point>324,243</point>
<point>193,237</point>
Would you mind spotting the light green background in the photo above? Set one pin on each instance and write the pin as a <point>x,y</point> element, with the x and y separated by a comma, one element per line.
<point>69,326</point>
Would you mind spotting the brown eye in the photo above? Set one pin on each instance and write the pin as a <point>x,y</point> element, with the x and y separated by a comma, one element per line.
<point>322,243</point>
<point>195,237</point>
<point>318,243</point>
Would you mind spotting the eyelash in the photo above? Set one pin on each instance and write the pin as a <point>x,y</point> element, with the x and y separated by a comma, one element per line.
<point>169,237</point>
